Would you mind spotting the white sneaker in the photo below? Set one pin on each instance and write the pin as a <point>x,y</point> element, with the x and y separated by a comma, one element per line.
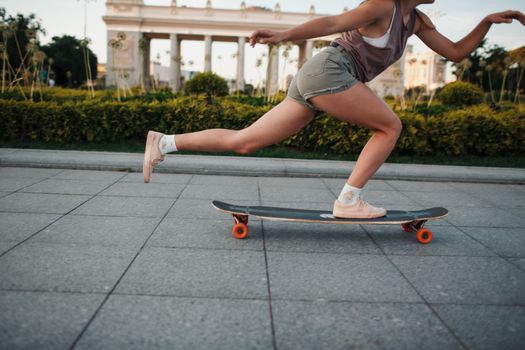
<point>359,210</point>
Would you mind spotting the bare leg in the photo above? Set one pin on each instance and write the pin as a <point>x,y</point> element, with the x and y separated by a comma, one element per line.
<point>282,121</point>
<point>359,105</point>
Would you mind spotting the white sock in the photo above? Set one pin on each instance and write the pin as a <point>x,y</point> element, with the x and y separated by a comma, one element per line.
<point>167,144</point>
<point>356,193</point>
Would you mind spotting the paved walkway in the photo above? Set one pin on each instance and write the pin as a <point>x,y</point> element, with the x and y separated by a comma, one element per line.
<point>98,260</point>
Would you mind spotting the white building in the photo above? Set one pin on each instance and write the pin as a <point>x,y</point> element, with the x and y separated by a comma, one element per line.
<point>413,69</point>
<point>391,81</point>
<point>131,25</point>
<point>424,69</point>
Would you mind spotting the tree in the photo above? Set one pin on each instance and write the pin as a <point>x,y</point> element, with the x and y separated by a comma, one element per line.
<point>516,76</point>
<point>18,38</point>
<point>68,60</point>
<point>484,67</point>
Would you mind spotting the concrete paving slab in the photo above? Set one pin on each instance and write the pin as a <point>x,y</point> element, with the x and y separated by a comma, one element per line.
<point>486,326</point>
<point>272,182</point>
<point>125,206</point>
<point>16,227</point>
<point>336,185</point>
<point>503,196</point>
<point>199,233</point>
<point>388,199</point>
<point>488,188</point>
<point>311,276</point>
<point>5,193</point>
<point>90,175</point>
<point>5,246</point>
<point>518,212</point>
<point>319,238</point>
<point>28,173</point>
<point>15,184</point>
<point>32,320</point>
<point>438,199</point>
<point>203,209</point>
<point>447,240</point>
<point>63,268</point>
<point>483,217</point>
<point>466,280</point>
<point>281,194</point>
<point>221,192</point>
<point>197,273</point>
<point>41,203</point>
<point>228,181</point>
<point>344,325</point>
<point>98,230</point>
<point>519,262</point>
<point>65,187</point>
<point>158,178</point>
<point>133,189</point>
<point>146,322</point>
<point>508,242</point>
<point>422,186</point>
<point>504,200</point>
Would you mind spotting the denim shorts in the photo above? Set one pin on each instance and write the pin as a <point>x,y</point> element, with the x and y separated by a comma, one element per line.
<point>331,70</point>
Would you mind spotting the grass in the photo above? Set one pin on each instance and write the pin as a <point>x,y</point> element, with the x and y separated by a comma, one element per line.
<point>280,152</point>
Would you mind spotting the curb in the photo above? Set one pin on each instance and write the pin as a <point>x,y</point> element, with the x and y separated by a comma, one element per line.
<point>251,166</point>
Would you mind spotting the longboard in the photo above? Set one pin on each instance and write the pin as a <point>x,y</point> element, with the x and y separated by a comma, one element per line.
<point>411,221</point>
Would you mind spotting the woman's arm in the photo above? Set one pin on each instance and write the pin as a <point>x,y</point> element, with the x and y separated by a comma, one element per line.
<point>456,51</point>
<point>363,15</point>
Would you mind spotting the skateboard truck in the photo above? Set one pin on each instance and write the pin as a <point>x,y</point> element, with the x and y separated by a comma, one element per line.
<point>423,234</point>
<point>240,228</point>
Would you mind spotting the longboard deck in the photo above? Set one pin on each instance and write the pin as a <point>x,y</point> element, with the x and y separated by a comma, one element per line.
<point>320,216</point>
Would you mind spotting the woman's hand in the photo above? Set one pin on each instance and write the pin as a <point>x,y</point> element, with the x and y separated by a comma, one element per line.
<point>506,17</point>
<point>265,36</point>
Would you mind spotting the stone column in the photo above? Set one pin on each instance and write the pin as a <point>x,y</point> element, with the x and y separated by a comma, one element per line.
<point>302,55</point>
<point>207,53</point>
<point>309,49</point>
<point>272,73</point>
<point>145,71</point>
<point>175,58</point>
<point>240,64</point>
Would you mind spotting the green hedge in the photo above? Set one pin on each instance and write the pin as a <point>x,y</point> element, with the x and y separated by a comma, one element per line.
<point>476,130</point>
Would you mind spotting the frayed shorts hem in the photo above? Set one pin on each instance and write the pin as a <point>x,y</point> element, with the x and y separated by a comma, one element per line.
<point>329,72</point>
<point>331,90</point>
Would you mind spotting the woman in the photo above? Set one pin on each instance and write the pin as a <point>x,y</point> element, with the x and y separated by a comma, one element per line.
<point>374,36</point>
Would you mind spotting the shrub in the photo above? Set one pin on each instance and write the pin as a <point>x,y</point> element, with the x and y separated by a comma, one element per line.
<point>477,130</point>
<point>206,83</point>
<point>433,109</point>
<point>461,93</point>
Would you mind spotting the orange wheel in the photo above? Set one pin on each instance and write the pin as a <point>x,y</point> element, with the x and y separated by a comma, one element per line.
<point>406,228</point>
<point>424,236</point>
<point>240,231</point>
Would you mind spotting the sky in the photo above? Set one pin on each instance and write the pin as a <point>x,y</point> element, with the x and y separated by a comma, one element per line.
<point>454,19</point>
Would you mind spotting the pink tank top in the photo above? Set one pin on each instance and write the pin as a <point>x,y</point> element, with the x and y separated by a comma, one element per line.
<point>371,60</point>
